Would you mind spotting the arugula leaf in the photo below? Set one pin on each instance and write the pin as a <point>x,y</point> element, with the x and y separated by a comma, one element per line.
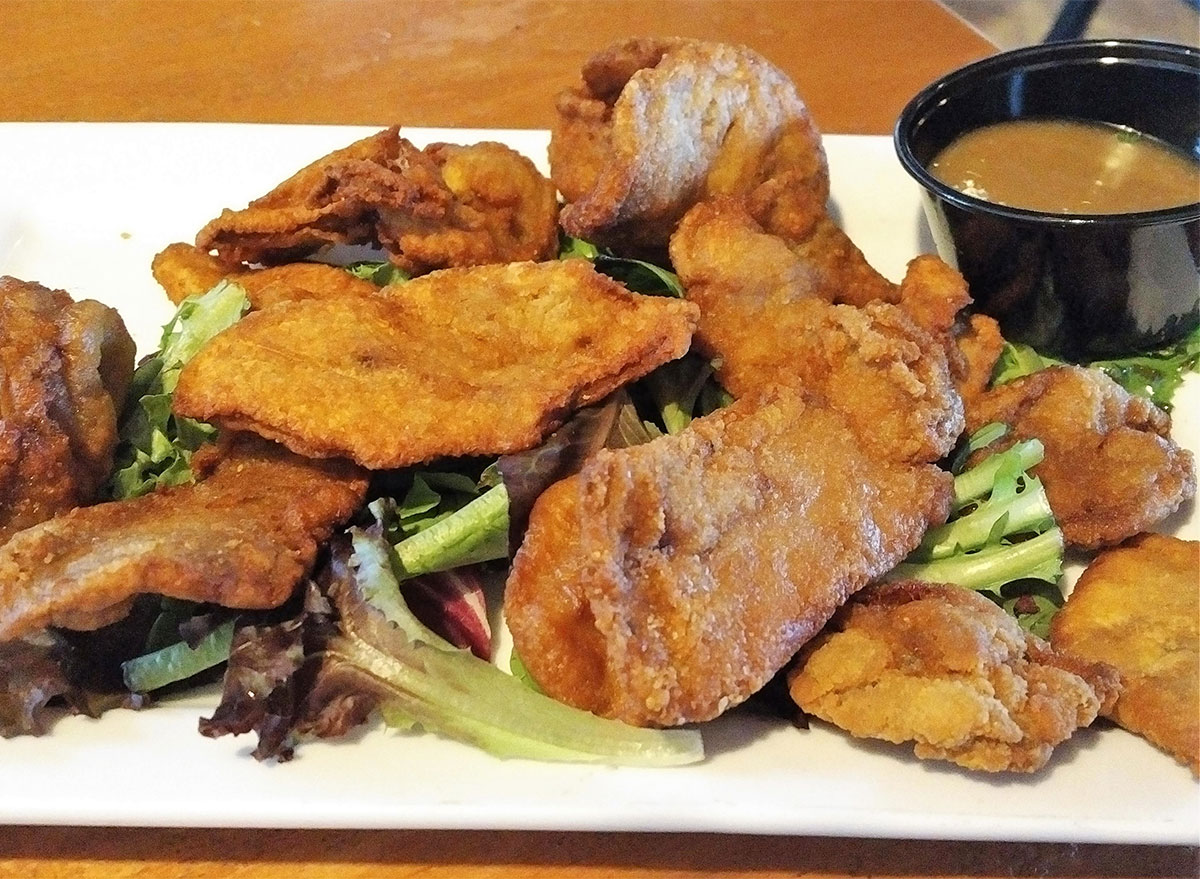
<point>1155,375</point>
<point>156,446</point>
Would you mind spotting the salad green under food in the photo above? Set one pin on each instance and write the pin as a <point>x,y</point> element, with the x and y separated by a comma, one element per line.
<point>156,445</point>
<point>1001,538</point>
<point>1155,375</point>
<point>426,680</point>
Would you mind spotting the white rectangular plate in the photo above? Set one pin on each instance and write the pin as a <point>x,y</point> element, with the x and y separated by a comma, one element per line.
<point>85,207</point>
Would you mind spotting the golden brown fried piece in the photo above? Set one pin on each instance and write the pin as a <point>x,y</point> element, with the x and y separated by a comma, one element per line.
<point>184,270</point>
<point>947,669</point>
<point>483,360</point>
<point>64,371</point>
<point>242,537</point>
<point>765,314</point>
<point>980,346</point>
<point>1111,469</point>
<point>1137,607</point>
<point>669,581</point>
<point>657,125</point>
<point>445,206</point>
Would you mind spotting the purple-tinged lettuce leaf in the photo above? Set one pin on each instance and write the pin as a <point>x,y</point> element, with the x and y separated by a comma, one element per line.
<point>380,657</point>
<point>452,604</point>
<point>40,680</point>
<point>527,474</point>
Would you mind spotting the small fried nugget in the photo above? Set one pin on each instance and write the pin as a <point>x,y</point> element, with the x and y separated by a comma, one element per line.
<point>1137,607</point>
<point>657,125</point>
<point>669,581</point>
<point>65,368</point>
<point>445,206</point>
<point>949,670</point>
<point>243,536</point>
<point>1111,469</point>
<point>184,270</point>
<point>485,360</point>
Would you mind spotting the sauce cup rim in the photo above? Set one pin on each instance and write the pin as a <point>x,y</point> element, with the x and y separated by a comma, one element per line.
<point>925,102</point>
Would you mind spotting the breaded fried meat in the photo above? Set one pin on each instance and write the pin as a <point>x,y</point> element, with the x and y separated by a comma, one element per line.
<point>657,125</point>
<point>65,368</point>
<point>241,537</point>
<point>1111,469</point>
<point>183,270</point>
<point>667,582</point>
<point>947,669</point>
<point>485,360</point>
<point>1137,607</point>
<point>766,318</point>
<point>434,208</point>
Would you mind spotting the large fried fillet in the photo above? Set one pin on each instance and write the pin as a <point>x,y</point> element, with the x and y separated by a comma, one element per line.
<point>765,315</point>
<point>1111,469</point>
<point>484,360</point>
<point>64,371</point>
<point>1137,607</point>
<point>950,671</point>
<point>242,537</point>
<point>657,125</point>
<point>184,270</point>
<point>669,581</point>
<point>444,206</point>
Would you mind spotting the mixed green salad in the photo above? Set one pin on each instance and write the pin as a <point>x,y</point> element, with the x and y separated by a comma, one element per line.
<point>397,620</point>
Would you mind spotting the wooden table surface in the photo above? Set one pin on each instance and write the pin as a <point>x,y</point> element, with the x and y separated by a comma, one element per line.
<point>495,64</point>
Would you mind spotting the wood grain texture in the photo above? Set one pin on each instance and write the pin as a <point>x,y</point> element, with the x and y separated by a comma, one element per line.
<point>496,64</point>
<point>66,853</point>
<point>483,63</point>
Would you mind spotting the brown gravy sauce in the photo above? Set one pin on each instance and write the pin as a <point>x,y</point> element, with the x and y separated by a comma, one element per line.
<point>1064,166</point>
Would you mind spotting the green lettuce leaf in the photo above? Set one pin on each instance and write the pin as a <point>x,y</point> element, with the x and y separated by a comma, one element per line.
<point>378,272</point>
<point>636,274</point>
<point>156,446</point>
<point>1155,375</point>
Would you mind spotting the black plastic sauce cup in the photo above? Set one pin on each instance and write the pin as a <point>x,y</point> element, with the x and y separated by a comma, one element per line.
<point>1079,286</point>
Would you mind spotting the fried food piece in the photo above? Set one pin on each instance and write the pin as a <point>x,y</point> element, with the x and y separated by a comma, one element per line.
<point>65,368</point>
<point>485,360</point>
<point>242,537</point>
<point>949,670</point>
<point>1137,607</point>
<point>184,270</point>
<point>765,315</point>
<point>1111,469</point>
<point>980,346</point>
<point>656,126</point>
<point>445,206</point>
<point>667,582</point>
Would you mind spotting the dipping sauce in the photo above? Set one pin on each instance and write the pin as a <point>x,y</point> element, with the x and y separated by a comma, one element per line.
<point>1063,166</point>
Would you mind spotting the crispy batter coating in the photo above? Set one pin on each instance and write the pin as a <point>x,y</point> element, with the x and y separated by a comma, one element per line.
<point>667,582</point>
<point>242,537</point>
<point>1137,607</point>
<point>483,360</point>
<point>949,670</point>
<point>444,206</point>
<point>184,270</point>
<point>980,346</point>
<point>64,371</point>
<point>765,314</point>
<point>1111,469</point>
<point>657,125</point>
